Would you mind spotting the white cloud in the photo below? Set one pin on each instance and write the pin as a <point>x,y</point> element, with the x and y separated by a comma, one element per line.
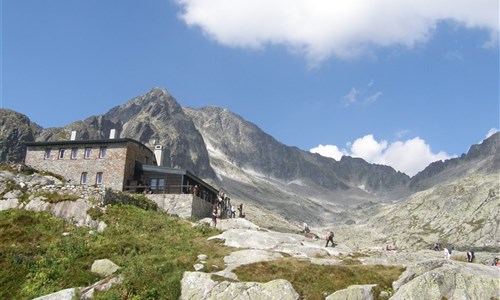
<point>372,98</point>
<point>354,95</point>
<point>351,97</point>
<point>328,151</point>
<point>323,28</point>
<point>410,156</point>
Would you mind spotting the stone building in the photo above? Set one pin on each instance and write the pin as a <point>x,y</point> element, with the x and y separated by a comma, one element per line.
<point>120,164</point>
<point>109,162</point>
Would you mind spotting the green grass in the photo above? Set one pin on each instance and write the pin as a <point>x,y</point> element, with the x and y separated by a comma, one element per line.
<point>315,281</point>
<point>153,251</point>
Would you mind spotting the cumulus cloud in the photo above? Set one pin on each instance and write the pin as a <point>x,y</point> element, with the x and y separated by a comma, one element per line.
<point>323,28</point>
<point>328,151</point>
<point>410,156</point>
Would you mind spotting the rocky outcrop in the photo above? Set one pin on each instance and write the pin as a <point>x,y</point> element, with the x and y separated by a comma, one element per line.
<point>448,280</point>
<point>464,213</point>
<point>157,117</point>
<point>483,158</point>
<point>15,130</point>
<point>200,286</point>
<point>27,192</point>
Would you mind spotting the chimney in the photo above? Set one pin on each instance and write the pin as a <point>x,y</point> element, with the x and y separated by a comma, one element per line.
<point>112,134</point>
<point>73,135</point>
<point>159,155</point>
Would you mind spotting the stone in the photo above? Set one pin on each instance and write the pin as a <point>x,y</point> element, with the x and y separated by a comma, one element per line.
<point>13,194</point>
<point>67,294</point>
<point>244,257</point>
<point>354,292</point>
<point>8,204</point>
<point>197,285</point>
<point>101,226</point>
<point>202,257</point>
<point>104,267</point>
<point>198,267</point>
<point>448,280</point>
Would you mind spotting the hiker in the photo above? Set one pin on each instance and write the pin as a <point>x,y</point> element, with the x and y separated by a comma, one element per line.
<point>496,262</point>
<point>240,210</point>
<point>470,256</point>
<point>447,253</point>
<point>306,229</point>
<point>233,212</point>
<point>437,246</point>
<point>329,238</point>
<point>214,215</point>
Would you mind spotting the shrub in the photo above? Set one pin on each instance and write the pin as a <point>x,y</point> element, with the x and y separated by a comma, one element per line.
<point>138,200</point>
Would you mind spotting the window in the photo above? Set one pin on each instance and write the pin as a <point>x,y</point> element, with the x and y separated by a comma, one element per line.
<point>83,178</point>
<point>102,152</point>
<point>61,153</point>
<point>47,153</point>
<point>88,151</point>
<point>74,153</point>
<point>98,178</point>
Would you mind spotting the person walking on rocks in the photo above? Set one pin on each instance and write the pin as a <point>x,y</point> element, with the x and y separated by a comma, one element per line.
<point>329,238</point>
<point>214,215</point>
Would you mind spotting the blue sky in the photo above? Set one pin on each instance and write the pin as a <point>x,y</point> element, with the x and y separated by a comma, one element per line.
<point>401,83</point>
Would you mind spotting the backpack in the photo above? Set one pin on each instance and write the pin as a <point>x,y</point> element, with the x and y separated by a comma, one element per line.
<point>330,234</point>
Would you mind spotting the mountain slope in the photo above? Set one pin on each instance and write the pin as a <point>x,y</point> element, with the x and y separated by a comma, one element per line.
<point>155,117</point>
<point>15,130</point>
<point>297,184</point>
<point>483,158</point>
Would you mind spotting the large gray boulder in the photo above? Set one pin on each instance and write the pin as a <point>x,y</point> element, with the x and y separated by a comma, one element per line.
<point>354,292</point>
<point>104,267</point>
<point>200,286</point>
<point>441,279</point>
<point>67,294</point>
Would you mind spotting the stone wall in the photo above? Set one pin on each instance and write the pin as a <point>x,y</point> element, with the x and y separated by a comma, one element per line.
<point>183,205</point>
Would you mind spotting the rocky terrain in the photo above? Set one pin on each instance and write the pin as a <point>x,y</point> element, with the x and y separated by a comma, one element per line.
<point>407,226</point>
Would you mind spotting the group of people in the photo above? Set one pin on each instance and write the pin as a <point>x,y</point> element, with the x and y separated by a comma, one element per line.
<point>224,206</point>
<point>328,237</point>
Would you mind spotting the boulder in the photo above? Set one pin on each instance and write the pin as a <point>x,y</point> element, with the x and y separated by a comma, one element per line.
<point>197,285</point>
<point>8,204</point>
<point>443,279</point>
<point>67,294</point>
<point>104,267</point>
<point>354,292</point>
<point>14,194</point>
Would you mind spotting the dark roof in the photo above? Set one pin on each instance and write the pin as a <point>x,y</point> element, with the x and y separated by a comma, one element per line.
<point>86,142</point>
<point>167,170</point>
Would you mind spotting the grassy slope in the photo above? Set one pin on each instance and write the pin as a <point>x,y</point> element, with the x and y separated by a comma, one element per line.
<point>153,250</point>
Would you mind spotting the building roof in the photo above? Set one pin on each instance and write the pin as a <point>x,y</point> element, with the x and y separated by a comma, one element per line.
<point>168,170</point>
<point>86,142</point>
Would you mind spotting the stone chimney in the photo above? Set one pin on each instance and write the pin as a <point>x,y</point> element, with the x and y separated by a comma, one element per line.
<point>73,135</point>
<point>159,155</point>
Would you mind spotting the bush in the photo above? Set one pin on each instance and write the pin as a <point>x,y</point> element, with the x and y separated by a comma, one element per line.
<point>138,200</point>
